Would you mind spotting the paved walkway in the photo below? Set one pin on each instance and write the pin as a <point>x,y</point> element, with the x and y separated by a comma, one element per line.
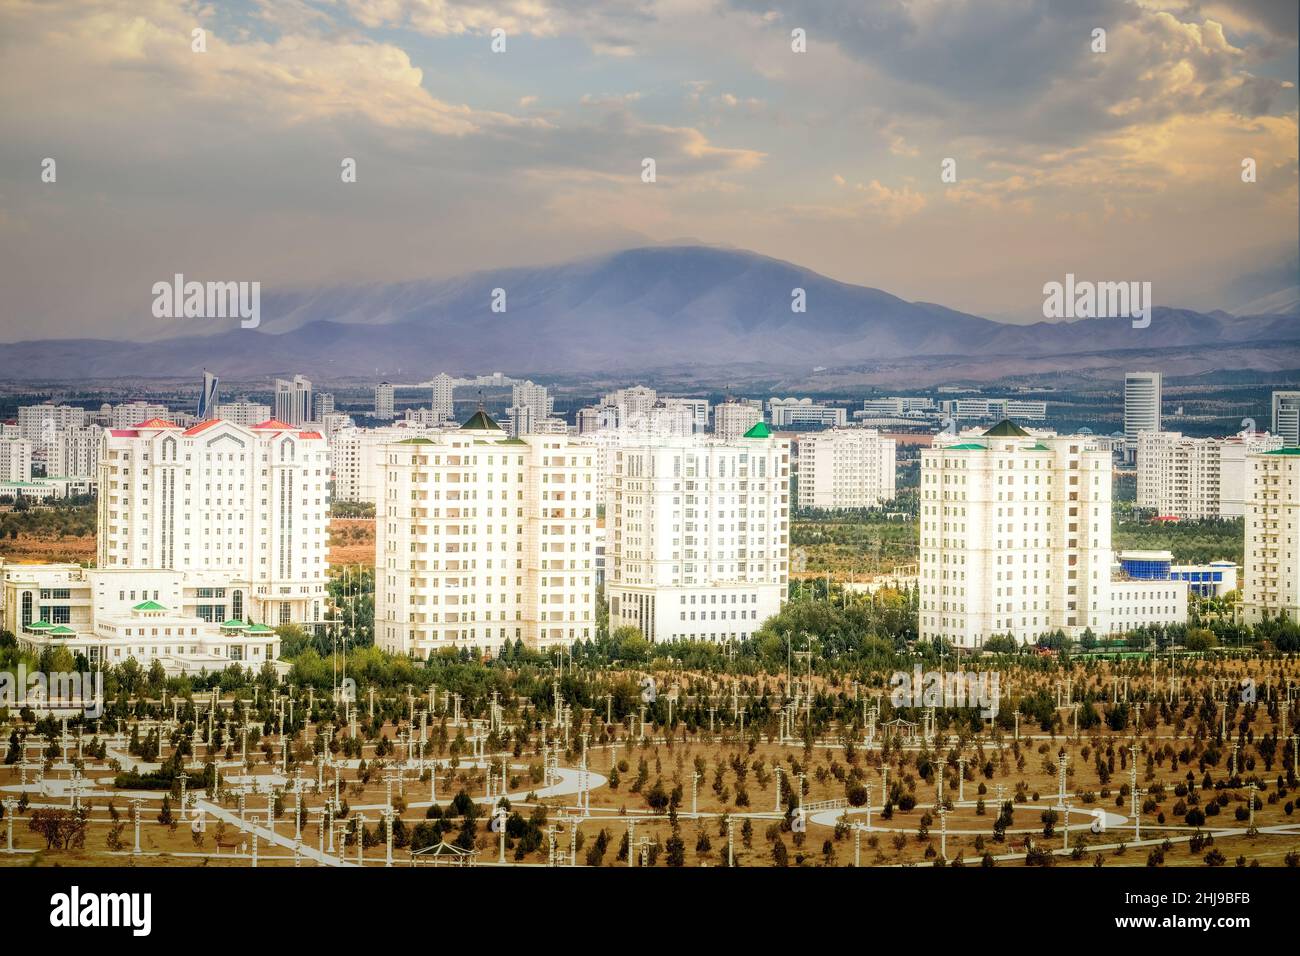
<point>247,825</point>
<point>829,818</point>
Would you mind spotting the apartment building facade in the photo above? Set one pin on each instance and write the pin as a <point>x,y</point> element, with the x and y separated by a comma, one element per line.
<point>845,468</point>
<point>1271,571</point>
<point>483,539</point>
<point>1194,478</point>
<point>1015,536</point>
<point>697,535</point>
<point>246,509</point>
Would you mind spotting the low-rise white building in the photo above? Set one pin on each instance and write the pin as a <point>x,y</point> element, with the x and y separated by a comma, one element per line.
<point>787,412</point>
<point>46,489</point>
<point>1212,580</point>
<point>109,616</point>
<point>898,406</point>
<point>993,409</point>
<point>1145,603</point>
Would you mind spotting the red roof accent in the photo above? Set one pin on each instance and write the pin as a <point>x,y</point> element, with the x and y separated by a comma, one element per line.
<point>274,424</point>
<point>202,426</point>
<point>310,435</point>
<point>124,433</point>
<point>157,423</point>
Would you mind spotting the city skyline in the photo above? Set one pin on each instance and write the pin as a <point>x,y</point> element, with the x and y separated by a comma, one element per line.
<point>649,434</point>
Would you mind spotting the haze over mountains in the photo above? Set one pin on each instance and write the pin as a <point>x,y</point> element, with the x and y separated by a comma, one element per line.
<point>644,309</point>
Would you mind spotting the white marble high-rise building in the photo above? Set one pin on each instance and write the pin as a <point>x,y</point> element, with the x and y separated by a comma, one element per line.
<point>588,420</point>
<point>1271,579</point>
<point>41,424</point>
<point>384,401</point>
<point>1192,478</point>
<point>130,413</point>
<point>845,468</point>
<point>633,403</point>
<point>444,398</point>
<point>15,459</point>
<point>243,413</point>
<point>731,419</point>
<point>483,539</point>
<point>247,507</point>
<point>36,420</point>
<point>292,401</point>
<point>1015,536</point>
<point>354,457</point>
<point>76,452</point>
<point>698,535</point>
<point>698,409</point>
<point>322,407</point>
<point>1286,416</point>
<point>1143,395</point>
<point>530,409</point>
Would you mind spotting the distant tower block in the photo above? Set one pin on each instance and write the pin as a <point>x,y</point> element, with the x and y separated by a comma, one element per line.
<point>384,401</point>
<point>207,397</point>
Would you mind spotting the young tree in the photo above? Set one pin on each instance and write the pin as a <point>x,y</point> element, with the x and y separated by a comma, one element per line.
<point>165,814</point>
<point>780,855</point>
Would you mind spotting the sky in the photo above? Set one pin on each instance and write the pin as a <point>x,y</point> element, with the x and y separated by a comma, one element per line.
<point>225,164</point>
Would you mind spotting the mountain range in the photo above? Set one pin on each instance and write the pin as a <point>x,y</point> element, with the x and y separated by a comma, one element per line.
<point>643,309</point>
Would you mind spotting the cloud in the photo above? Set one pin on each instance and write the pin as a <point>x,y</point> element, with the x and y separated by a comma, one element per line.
<point>227,163</point>
<point>609,99</point>
<point>603,23</point>
<point>1026,70</point>
<point>866,201</point>
<point>112,55</point>
<point>451,18</point>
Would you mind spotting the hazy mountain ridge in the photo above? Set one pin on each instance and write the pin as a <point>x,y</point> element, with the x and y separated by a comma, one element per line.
<point>647,308</point>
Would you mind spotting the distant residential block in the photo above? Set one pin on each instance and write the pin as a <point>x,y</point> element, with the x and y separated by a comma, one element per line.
<point>845,468</point>
<point>1271,581</point>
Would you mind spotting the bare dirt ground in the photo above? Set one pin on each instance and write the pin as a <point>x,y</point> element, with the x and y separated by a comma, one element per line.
<point>1177,749</point>
<point>352,541</point>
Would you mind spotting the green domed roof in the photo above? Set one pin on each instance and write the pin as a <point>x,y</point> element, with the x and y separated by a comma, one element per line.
<point>481,421</point>
<point>1006,429</point>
